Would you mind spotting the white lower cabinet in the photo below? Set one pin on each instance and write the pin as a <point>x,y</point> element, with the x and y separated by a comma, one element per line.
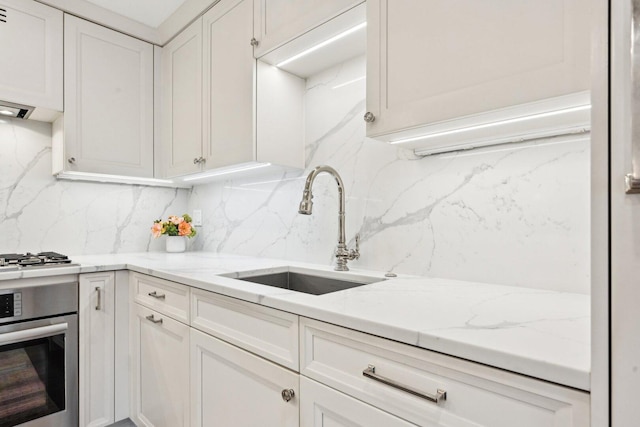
<point>232,387</point>
<point>227,368</point>
<point>96,329</point>
<point>476,395</point>
<point>159,369</point>
<point>322,406</point>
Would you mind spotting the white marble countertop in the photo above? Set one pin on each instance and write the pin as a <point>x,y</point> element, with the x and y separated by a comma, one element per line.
<point>542,334</point>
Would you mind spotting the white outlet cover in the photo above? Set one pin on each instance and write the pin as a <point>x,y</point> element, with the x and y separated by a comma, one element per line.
<point>197,217</point>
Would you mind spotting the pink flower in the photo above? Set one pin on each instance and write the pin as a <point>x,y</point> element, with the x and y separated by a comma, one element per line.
<point>176,219</point>
<point>156,230</point>
<point>184,229</point>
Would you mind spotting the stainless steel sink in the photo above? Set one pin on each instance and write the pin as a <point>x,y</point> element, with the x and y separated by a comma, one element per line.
<point>309,283</point>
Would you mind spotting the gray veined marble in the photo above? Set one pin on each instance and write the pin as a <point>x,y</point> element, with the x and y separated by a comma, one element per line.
<point>515,215</point>
<point>38,212</point>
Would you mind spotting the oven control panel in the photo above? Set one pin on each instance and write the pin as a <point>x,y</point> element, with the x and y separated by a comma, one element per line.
<point>11,305</point>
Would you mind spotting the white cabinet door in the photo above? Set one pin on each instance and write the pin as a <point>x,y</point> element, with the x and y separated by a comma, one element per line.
<point>231,387</point>
<point>96,359</point>
<point>31,58</point>
<point>159,369</point>
<point>321,406</point>
<point>182,102</point>
<point>437,60</point>
<point>279,21</point>
<point>108,123</point>
<point>229,80</point>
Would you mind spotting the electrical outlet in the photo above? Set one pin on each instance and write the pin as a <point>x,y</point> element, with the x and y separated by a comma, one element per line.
<point>197,217</point>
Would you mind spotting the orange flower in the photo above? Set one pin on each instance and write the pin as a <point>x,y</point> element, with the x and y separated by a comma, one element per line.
<point>184,229</point>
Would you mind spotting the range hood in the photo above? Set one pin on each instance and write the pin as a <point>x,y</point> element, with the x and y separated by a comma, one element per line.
<point>19,111</point>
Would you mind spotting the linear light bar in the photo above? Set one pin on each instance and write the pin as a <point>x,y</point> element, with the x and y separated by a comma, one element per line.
<point>323,44</point>
<point>492,124</point>
<point>116,179</point>
<point>220,172</point>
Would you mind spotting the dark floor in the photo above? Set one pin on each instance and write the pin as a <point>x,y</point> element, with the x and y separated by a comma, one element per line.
<point>123,423</point>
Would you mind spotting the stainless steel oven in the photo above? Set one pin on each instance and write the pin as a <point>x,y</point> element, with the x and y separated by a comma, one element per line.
<point>39,352</point>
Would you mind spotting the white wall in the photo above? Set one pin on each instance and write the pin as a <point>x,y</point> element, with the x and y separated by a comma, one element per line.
<point>516,215</point>
<point>38,212</point>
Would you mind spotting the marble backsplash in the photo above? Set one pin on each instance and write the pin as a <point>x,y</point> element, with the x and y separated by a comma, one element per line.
<point>41,213</point>
<point>515,215</point>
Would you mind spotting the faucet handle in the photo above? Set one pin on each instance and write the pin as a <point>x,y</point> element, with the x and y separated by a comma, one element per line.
<point>355,253</point>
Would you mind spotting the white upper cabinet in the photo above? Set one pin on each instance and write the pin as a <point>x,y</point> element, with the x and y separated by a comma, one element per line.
<point>181,108</point>
<point>434,61</point>
<point>280,21</point>
<point>221,109</point>
<point>31,59</point>
<point>108,121</point>
<point>229,77</point>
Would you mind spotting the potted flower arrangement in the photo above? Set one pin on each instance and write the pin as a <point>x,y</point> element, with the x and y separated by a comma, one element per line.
<point>176,228</point>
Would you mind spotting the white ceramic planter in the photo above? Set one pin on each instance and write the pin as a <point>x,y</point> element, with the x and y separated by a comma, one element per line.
<point>176,243</point>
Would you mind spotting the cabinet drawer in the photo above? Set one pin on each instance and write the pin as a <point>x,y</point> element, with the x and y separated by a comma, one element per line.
<point>272,334</point>
<point>168,298</point>
<point>322,406</point>
<point>475,394</point>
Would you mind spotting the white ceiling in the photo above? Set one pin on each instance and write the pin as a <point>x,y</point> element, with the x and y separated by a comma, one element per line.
<point>149,12</point>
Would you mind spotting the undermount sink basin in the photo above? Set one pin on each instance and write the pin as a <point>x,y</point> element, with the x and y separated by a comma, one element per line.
<point>315,283</point>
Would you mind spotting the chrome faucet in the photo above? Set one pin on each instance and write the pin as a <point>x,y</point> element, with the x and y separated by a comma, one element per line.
<point>306,206</point>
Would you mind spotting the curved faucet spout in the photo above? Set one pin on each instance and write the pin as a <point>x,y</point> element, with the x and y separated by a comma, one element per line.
<point>306,208</point>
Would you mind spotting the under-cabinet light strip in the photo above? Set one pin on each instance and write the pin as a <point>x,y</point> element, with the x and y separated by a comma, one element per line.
<point>113,178</point>
<point>491,124</point>
<point>323,44</point>
<point>214,173</point>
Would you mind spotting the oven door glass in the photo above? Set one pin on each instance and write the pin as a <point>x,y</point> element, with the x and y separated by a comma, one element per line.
<point>32,373</point>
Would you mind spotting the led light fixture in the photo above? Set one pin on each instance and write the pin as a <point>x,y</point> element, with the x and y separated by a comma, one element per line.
<point>226,171</point>
<point>492,124</point>
<point>323,44</point>
<point>546,118</point>
<point>116,179</point>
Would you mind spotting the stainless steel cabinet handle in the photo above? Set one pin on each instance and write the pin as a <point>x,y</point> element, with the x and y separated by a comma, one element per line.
<point>440,395</point>
<point>154,320</point>
<point>99,298</point>
<point>157,295</point>
<point>71,160</point>
<point>254,42</point>
<point>196,161</point>
<point>287,394</point>
<point>369,117</point>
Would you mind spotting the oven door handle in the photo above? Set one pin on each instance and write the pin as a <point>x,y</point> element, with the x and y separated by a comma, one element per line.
<point>33,333</point>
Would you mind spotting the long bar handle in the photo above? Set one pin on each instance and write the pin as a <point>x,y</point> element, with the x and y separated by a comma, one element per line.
<point>157,295</point>
<point>633,179</point>
<point>440,395</point>
<point>32,334</point>
<point>154,320</point>
<point>99,298</point>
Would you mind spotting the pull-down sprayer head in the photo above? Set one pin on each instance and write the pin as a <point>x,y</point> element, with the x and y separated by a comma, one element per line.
<point>306,205</point>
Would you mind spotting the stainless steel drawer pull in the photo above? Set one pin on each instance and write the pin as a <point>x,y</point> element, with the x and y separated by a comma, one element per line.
<point>440,395</point>
<point>99,298</point>
<point>150,317</point>
<point>156,295</point>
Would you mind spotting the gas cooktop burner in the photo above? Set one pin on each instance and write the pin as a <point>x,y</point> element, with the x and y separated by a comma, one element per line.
<point>29,260</point>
